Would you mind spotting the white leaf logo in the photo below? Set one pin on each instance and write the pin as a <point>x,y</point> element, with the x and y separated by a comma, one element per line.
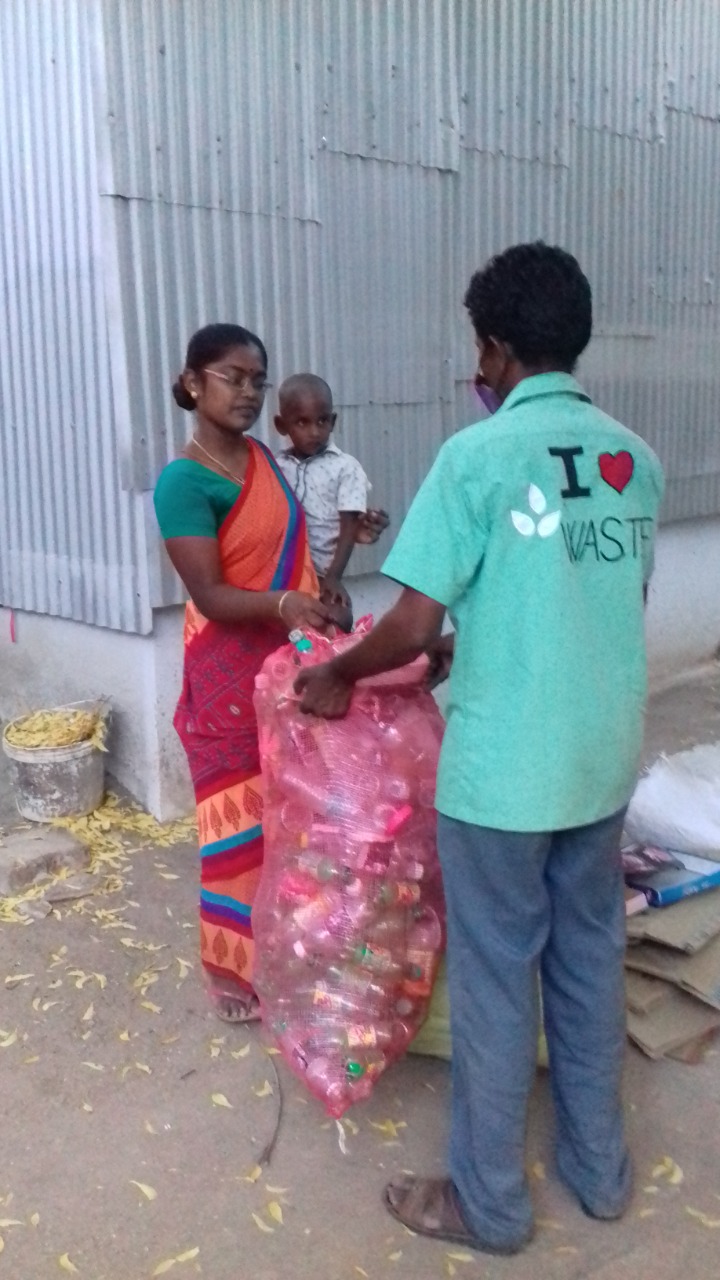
<point>549,524</point>
<point>546,525</point>
<point>524,524</point>
<point>537,500</point>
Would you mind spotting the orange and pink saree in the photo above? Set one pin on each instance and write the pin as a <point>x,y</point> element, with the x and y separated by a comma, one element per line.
<point>263,547</point>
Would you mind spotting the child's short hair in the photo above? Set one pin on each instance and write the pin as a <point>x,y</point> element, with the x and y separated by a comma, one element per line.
<point>299,382</point>
<point>536,298</point>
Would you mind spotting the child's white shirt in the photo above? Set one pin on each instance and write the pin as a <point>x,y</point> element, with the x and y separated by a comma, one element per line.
<point>325,484</point>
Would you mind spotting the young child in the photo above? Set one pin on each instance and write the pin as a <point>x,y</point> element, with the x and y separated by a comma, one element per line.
<point>330,485</point>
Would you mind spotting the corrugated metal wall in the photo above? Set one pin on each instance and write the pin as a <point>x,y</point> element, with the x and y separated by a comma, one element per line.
<point>71,543</point>
<point>330,172</point>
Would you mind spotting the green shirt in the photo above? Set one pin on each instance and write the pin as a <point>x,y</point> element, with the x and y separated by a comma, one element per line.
<point>191,501</point>
<point>535,528</point>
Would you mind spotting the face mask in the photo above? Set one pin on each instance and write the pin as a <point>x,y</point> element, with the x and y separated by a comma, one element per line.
<point>488,398</point>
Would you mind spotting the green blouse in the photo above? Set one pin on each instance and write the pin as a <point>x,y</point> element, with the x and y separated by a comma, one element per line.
<point>191,501</point>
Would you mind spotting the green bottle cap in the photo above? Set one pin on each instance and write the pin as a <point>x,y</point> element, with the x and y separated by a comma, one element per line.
<point>301,641</point>
<point>355,1070</point>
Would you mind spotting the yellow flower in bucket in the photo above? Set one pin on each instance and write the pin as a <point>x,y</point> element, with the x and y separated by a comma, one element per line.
<point>60,728</point>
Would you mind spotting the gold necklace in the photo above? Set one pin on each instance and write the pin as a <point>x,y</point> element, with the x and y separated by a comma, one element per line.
<point>217,462</point>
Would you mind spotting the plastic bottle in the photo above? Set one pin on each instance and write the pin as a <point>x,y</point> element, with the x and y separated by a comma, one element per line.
<point>328,1081</point>
<point>325,870</point>
<point>376,958</point>
<point>397,893</point>
<point>422,954</point>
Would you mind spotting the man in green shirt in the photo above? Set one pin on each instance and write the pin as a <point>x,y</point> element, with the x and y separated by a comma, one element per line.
<point>534,530</point>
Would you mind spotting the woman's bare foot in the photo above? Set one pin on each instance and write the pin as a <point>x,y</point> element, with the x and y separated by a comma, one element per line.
<point>231,1003</point>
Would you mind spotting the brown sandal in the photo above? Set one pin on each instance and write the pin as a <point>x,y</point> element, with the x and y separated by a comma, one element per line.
<point>429,1206</point>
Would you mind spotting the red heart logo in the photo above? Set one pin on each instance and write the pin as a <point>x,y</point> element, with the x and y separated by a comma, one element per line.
<point>616,469</point>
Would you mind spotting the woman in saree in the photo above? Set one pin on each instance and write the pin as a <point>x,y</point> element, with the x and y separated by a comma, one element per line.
<point>236,536</point>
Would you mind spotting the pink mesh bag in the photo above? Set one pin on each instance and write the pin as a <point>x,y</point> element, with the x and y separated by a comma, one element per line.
<point>349,917</point>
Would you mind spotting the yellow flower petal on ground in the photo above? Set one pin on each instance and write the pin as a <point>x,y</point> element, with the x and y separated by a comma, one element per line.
<point>149,1192</point>
<point>151,1008</point>
<point>389,1127</point>
<point>34,1219</point>
<point>703,1218</point>
<point>263,1226</point>
<point>89,1013</point>
<point>163,1267</point>
<point>240,1053</point>
<point>264,1091</point>
<point>396,1256</point>
<point>10,1222</point>
<point>461,1257</point>
<point>219,1100</point>
<point>67,1265</point>
<point>188,1255</point>
<point>275,1212</point>
<point>9,1037</point>
<point>254,1174</point>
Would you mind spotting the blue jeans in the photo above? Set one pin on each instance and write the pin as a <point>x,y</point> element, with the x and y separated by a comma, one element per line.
<point>521,905</point>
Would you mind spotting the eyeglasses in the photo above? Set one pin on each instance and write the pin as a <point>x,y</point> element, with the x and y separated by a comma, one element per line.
<point>238,381</point>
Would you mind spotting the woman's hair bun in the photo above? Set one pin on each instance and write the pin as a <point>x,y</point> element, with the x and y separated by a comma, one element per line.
<point>182,396</point>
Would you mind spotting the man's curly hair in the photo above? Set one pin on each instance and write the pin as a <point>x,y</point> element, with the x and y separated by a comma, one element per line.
<point>536,298</point>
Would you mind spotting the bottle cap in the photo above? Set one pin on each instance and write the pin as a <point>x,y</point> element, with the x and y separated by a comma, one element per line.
<point>355,1070</point>
<point>300,641</point>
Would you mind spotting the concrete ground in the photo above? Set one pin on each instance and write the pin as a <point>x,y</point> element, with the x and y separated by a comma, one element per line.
<point>114,1081</point>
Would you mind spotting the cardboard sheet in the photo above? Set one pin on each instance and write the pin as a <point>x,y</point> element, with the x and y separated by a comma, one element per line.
<point>699,974</point>
<point>674,1023</point>
<point>685,926</point>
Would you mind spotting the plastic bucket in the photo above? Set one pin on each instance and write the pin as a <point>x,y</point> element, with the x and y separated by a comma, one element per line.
<point>57,782</point>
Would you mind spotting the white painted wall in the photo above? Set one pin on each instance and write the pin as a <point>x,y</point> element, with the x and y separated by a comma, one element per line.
<point>683,616</point>
<point>54,661</point>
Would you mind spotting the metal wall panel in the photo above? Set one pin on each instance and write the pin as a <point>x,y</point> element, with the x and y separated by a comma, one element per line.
<point>612,199</point>
<point>688,214</point>
<point>692,56</point>
<point>389,84</point>
<point>72,542</point>
<point>618,65</point>
<point>514,71</point>
<point>209,103</point>
<point>380,273</point>
<point>330,174</point>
